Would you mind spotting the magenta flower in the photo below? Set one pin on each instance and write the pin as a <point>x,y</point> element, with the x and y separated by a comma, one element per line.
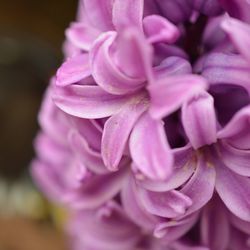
<point>117,78</point>
<point>145,128</point>
<point>98,232</point>
<point>211,160</point>
<point>230,231</point>
<point>68,175</point>
<point>239,33</point>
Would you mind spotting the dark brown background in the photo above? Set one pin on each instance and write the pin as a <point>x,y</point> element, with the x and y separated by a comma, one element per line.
<point>31,36</point>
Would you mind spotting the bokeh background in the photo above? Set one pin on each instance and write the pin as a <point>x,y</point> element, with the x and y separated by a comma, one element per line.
<point>31,37</point>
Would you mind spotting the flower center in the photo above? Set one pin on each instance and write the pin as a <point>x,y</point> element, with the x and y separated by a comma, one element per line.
<point>193,40</point>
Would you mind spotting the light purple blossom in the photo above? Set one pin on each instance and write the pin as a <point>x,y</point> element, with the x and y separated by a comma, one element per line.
<point>125,90</point>
<point>145,129</point>
<point>69,168</point>
<point>230,232</point>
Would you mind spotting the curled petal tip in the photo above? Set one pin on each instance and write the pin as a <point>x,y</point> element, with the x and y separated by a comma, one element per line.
<point>160,231</point>
<point>73,70</point>
<point>159,29</point>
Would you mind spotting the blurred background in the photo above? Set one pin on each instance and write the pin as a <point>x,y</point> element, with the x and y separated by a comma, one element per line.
<point>31,37</point>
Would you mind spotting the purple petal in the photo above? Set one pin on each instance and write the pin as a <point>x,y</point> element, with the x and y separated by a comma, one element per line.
<point>200,187</point>
<point>52,120</point>
<point>91,159</point>
<point>117,130</point>
<point>183,170</point>
<point>129,12</point>
<point>134,55</point>
<point>99,13</point>
<point>73,70</point>
<point>51,151</point>
<point>107,228</point>
<point>237,160</point>
<point>159,29</point>
<point>237,8</point>
<point>89,131</point>
<point>74,174</point>
<point>237,132</point>
<point>149,148</point>
<point>175,10</point>
<point>70,50</point>
<point>81,35</point>
<point>150,8</point>
<point>172,66</point>
<point>186,246</point>
<point>199,120</point>
<point>238,240</point>
<point>222,68</point>
<point>213,35</point>
<point>89,102</point>
<point>169,204</point>
<point>96,190</point>
<point>170,93</point>
<point>163,50</point>
<point>207,7</point>
<point>242,225</point>
<point>238,96</point>
<point>134,208</point>
<point>106,73</point>
<point>239,33</point>
<point>175,229</point>
<point>47,179</point>
<point>215,237</point>
<point>234,190</point>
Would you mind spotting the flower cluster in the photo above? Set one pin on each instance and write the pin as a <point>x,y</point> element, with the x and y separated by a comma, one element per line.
<point>145,129</point>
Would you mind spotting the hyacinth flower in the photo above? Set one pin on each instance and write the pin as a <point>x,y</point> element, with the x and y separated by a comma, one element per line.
<point>65,176</point>
<point>239,33</point>
<point>230,232</point>
<point>213,159</point>
<point>237,8</point>
<point>98,232</point>
<point>70,184</point>
<point>128,88</point>
<point>145,127</point>
<point>221,165</point>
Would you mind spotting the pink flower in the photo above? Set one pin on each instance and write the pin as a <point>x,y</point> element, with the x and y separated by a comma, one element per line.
<point>145,127</point>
